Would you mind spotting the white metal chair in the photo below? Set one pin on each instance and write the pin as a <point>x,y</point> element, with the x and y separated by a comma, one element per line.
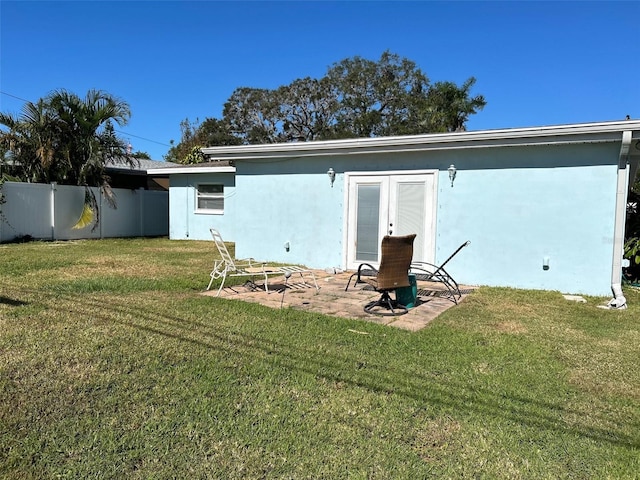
<point>227,266</point>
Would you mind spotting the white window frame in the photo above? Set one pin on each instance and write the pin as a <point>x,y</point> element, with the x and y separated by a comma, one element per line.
<point>199,195</point>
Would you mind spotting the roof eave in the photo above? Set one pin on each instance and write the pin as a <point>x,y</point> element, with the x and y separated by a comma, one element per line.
<point>191,169</point>
<point>575,133</point>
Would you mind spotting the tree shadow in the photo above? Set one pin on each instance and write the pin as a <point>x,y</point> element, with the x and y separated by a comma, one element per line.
<point>12,302</point>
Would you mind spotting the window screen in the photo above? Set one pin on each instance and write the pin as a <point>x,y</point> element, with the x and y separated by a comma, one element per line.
<point>210,197</point>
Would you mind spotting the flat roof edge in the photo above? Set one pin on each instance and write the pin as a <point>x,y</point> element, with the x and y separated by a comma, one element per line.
<point>191,169</point>
<point>432,139</point>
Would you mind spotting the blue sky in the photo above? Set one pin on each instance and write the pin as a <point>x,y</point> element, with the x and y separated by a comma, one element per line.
<point>536,63</point>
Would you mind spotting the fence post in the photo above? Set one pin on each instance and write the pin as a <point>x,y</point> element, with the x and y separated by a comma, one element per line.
<point>53,210</point>
<point>141,199</point>
<point>101,224</point>
<point>1,214</point>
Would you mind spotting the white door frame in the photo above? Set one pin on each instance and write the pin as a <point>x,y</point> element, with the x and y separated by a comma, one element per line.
<point>349,216</point>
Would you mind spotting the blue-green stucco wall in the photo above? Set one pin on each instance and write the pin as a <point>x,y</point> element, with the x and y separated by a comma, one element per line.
<point>517,205</point>
<point>184,222</point>
<point>290,202</point>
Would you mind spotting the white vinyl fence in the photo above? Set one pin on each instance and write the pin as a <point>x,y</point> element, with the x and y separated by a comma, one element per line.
<point>49,212</point>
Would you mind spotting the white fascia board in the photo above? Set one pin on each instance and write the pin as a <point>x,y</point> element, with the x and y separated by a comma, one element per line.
<point>192,169</point>
<point>562,134</point>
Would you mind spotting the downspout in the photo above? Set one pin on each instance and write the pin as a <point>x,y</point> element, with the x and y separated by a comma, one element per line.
<point>188,202</point>
<point>619,301</point>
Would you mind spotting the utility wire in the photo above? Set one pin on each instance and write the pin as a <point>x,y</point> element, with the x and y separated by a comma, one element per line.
<point>142,138</point>
<point>118,131</point>
<point>13,96</point>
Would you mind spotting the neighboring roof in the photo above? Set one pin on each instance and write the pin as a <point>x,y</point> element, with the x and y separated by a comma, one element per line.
<point>140,166</point>
<point>222,166</point>
<point>559,134</point>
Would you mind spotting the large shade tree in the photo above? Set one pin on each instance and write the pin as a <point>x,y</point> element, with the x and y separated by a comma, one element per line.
<point>308,109</point>
<point>356,98</point>
<point>378,98</point>
<point>67,139</point>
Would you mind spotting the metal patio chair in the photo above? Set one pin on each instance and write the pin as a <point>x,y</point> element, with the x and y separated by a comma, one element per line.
<point>428,272</point>
<point>393,273</point>
<point>227,266</point>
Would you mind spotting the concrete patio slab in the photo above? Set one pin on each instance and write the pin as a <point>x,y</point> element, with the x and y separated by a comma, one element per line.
<point>331,299</point>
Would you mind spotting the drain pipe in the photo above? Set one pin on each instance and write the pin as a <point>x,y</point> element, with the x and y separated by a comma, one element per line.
<point>619,301</point>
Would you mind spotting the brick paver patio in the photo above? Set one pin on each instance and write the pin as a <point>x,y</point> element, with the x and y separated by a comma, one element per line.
<point>331,299</point>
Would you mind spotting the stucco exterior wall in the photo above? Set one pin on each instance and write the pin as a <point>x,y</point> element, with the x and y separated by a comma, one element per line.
<point>187,224</point>
<point>555,202</point>
<point>517,205</point>
<point>290,203</point>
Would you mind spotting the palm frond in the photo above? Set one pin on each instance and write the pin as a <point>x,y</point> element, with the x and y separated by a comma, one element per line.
<point>109,195</point>
<point>90,213</point>
<point>86,217</point>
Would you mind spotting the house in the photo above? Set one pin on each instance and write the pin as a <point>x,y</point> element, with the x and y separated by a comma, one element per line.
<point>138,175</point>
<point>200,197</point>
<point>543,207</point>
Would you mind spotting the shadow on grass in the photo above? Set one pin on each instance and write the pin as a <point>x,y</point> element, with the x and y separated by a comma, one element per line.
<point>11,302</point>
<point>427,388</point>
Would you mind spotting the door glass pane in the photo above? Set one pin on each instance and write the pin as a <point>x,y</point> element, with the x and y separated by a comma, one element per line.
<point>367,223</point>
<point>411,214</point>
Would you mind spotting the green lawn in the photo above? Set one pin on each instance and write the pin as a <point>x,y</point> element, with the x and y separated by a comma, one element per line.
<point>112,366</point>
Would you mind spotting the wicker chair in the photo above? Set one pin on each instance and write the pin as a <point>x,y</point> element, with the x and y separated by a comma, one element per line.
<point>393,273</point>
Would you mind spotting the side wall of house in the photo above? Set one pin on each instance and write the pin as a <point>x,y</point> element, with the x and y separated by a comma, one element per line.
<point>290,213</point>
<point>537,217</point>
<point>517,205</point>
<point>188,224</point>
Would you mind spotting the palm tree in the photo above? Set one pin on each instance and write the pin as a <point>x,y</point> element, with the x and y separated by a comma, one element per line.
<point>449,106</point>
<point>30,143</point>
<point>83,122</point>
<point>67,139</point>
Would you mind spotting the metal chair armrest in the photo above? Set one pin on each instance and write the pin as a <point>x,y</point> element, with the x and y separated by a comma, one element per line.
<point>359,273</point>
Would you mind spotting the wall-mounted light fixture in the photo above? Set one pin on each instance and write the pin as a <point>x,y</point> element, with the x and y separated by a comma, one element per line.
<point>452,173</point>
<point>332,176</point>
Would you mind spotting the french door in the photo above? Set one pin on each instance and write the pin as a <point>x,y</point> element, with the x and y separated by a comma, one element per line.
<point>389,204</point>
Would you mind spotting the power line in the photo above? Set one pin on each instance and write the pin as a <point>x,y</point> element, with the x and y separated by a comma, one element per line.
<point>142,138</point>
<point>13,96</point>
<point>123,133</point>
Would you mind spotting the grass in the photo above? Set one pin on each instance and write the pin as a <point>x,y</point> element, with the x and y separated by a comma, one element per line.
<point>112,366</point>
